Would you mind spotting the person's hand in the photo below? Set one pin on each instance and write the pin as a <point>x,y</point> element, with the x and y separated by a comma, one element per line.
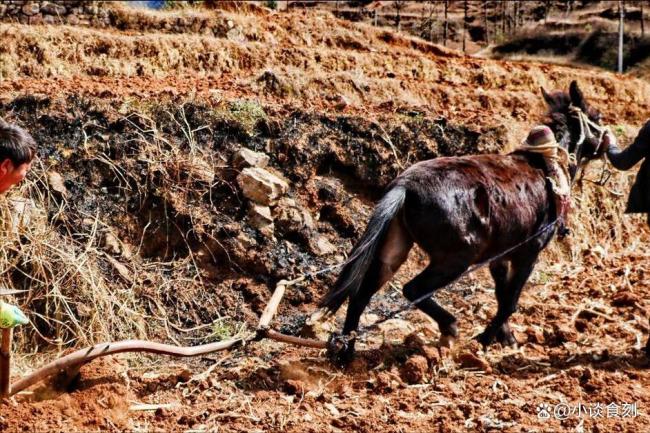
<point>644,133</point>
<point>609,139</point>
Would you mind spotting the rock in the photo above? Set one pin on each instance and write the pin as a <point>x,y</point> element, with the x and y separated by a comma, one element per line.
<point>432,354</point>
<point>261,186</point>
<point>49,19</point>
<point>30,8</point>
<point>415,370</point>
<point>329,189</point>
<point>36,19</point>
<point>469,359</point>
<point>535,335</point>
<point>625,298</point>
<point>561,334</point>
<point>90,8</point>
<point>414,341</point>
<point>245,240</point>
<point>260,218</point>
<point>24,212</point>
<point>340,102</point>
<point>3,9</point>
<point>196,24</point>
<point>273,84</point>
<point>72,19</point>
<point>290,217</point>
<point>396,328</point>
<point>236,35</point>
<point>358,365</point>
<point>111,244</point>
<point>244,158</point>
<point>184,375</point>
<point>53,8</point>
<point>56,182</point>
<point>384,382</point>
<point>581,325</point>
<point>294,387</point>
<point>368,319</point>
<point>321,246</point>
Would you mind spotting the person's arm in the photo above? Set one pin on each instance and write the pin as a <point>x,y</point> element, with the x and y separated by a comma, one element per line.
<point>627,158</point>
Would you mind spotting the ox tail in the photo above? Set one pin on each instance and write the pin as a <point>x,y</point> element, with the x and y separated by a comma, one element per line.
<point>355,268</point>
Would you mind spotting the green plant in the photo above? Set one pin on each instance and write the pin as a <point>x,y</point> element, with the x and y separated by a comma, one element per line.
<point>245,112</point>
<point>618,130</point>
<point>221,330</point>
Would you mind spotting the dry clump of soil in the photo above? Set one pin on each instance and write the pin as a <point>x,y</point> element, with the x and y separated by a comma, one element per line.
<point>142,229</point>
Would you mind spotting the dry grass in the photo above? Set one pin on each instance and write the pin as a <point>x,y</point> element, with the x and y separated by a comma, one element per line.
<point>317,59</point>
<point>81,290</point>
<point>69,298</point>
<point>80,294</point>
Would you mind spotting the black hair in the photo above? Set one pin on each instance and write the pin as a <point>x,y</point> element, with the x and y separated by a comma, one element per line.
<point>16,144</point>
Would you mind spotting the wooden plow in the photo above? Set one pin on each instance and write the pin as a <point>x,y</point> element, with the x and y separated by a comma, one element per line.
<point>70,364</point>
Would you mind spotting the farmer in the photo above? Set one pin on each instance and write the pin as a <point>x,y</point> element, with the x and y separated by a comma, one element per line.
<point>639,199</point>
<point>17,149</point>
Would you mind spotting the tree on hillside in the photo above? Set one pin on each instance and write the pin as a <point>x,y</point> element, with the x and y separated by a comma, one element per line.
<point>486,23</point>
<point>430,20</point>
<point>621,31</point>
<point>547,9</point>
<point>503,18</point>
<point>515,15</point>
<point>445,32</point>
<point>398,5</point>
<point>642,20</point>
<point>464,25</point>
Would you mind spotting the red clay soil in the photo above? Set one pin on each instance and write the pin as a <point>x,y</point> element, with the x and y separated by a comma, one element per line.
<point>579,331</point>
<point>580,327</point>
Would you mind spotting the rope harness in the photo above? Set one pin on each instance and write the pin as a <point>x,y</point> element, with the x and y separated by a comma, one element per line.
<point>557,156</point>
<point>586,127</point>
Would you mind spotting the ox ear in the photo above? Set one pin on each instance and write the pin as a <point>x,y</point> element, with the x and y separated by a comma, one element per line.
<point>548,98</point>
<point>577,97</point>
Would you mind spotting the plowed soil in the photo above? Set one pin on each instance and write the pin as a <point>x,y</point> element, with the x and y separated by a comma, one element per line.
<point>582,319</point>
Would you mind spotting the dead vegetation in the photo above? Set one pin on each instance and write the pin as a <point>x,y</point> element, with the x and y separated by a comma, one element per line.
<point>139,226</point>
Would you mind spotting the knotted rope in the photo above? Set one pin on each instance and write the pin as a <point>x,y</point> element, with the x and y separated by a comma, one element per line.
<point>586,127</point>
<point>557,159</point>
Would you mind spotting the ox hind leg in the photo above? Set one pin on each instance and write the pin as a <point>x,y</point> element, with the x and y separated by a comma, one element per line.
<point>429,281</point>
<point>509,281</point>
<point>392,254</point>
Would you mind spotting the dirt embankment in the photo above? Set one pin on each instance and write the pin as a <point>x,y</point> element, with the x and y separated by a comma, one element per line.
<point>149,220</point>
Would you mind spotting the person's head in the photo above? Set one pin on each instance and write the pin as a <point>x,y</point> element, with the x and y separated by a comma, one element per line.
<point>17,149</point>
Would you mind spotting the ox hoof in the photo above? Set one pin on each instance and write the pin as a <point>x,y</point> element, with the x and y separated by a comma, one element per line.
<point>447,341</point>
<point>506,337</point>
<point>485,338</point>
<point>340,349</point>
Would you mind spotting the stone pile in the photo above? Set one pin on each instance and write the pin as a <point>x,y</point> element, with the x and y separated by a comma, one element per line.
<point>269,207</point>
<point>73,12</point>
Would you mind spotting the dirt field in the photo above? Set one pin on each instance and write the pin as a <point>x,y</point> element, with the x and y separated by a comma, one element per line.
<point>141,230</point>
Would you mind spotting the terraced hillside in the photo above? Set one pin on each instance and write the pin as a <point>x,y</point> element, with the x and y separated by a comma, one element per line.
<point>142,224</point>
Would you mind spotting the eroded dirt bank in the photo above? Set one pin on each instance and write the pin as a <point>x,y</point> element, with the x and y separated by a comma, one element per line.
<point>152,218</point>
